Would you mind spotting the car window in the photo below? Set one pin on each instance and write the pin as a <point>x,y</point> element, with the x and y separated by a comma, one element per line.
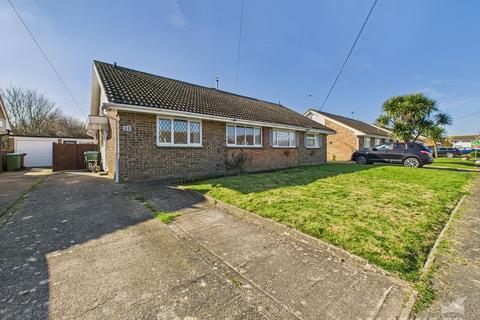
<point>399,146</point>
<point>384,147</point>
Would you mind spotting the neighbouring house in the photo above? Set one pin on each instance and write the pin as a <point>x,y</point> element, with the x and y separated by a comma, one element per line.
<point>351,134</point>
<point>39,149</point>
<point>4,131</point>
<point>463,142</point>
<point>153,127</point>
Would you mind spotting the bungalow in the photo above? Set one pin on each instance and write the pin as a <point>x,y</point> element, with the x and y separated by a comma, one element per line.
<point>351,134</point>
<point>152,127</point>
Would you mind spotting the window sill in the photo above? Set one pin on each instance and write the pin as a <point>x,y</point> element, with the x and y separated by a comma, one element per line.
<point>179,145</point>
<point>237,146</point>
<point>312,147</point>
<point>277,147</point>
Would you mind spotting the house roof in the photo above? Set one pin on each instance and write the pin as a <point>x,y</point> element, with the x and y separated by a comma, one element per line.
<point>465,137</point>
<point>355,124</point>
<point>135,88</point>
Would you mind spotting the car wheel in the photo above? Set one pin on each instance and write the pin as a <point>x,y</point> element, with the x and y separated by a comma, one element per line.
<point>449,155</point>
<point>361,160</point>
<point>411,162</point>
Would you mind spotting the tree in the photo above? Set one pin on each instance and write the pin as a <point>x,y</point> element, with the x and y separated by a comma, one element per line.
<point>436,134</point>
<point>410,116</point>
<point>32,113</point>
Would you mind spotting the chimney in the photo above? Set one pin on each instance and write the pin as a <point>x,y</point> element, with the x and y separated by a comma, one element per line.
<point>216,81</point>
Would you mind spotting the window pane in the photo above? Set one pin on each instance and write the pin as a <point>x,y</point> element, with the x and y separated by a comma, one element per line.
<point>366,142</point>
<point>311,140</point>
<point>283,138</point>
<point>249,136</point>
<point>180,131</point>
<point>240,136</point>
<point>164,130</point>
<point>230,135</point>
<point>194,132</point>
<point>258,136</point>
<point>293,137</point>
<point>274,138</point>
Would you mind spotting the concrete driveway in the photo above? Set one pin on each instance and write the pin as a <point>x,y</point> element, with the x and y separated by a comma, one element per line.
<point>81,247</point>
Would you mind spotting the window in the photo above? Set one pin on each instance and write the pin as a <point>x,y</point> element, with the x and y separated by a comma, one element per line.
<point>243,136</point>
<point>366,142</point>
<point>283,138</point>
<point>312,140</point>
<point>1,123</point>
<point>385,147</point>
<point>179,132</point>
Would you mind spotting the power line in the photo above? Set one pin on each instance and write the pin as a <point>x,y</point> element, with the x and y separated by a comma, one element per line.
<point>349,53</point>
<point>46,58</point>
<point>239,45</point>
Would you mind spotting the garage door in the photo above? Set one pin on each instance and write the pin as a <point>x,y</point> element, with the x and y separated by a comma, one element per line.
<point>39,153</point>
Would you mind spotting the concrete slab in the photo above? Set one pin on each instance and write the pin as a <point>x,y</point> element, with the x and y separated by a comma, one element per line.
<point>304,281</point>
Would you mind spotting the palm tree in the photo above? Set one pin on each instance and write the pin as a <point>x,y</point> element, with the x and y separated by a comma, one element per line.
<point>410,116</point>
<point>436,134</point>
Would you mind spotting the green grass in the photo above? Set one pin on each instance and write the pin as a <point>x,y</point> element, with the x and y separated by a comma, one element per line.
<point>455,163</point>
<point>390,215</point>
<point>167,217</point>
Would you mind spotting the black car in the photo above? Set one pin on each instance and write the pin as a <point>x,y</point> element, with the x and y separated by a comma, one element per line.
<point>448,152</point>
<point>409,154</point>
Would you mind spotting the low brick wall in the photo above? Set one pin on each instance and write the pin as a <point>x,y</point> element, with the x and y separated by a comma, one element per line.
<point>140,157</point>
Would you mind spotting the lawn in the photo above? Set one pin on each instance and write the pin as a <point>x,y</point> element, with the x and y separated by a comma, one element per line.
<point>389,215</point>
<point>455,163</point>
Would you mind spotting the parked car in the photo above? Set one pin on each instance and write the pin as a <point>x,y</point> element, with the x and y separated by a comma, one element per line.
<point>409,154</point>
<point>448,152</point>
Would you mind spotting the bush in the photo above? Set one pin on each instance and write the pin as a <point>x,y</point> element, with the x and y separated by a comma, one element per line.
<point>237,163</point>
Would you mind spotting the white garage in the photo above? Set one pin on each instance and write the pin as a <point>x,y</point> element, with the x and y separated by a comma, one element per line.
<point>39,149</point>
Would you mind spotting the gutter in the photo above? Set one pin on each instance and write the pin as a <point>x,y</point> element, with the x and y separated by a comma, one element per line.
<point>158,111</point>
<point>117,143</point>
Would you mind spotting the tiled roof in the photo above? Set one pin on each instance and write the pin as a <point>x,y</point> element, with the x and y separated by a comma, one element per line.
<point>136,88</point>
<point>356,124</point>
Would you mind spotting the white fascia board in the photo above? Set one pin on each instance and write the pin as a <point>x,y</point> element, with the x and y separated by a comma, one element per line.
<point>103,96</point>
<point>166,112</point>
<point>355,131</point>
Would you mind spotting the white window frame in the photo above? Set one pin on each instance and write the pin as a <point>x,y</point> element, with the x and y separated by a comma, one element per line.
<point>235,145</point>
<point>172,141</point>
<point>275,143</point>
<point>317,138</point>
<point>365,139</point>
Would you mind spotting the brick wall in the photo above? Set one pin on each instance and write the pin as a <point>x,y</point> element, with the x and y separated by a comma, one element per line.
<point>111,143</point>
<point>268,157</point>
<point>141,158</point>
<point>340,145</point>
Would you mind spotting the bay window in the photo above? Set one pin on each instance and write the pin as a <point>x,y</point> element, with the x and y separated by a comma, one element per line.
<point>243,136</point>
<point>283,138</point>
<point>179,132</point>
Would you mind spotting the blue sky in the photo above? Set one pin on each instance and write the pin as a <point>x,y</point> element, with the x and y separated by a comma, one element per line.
<point>290,50</point>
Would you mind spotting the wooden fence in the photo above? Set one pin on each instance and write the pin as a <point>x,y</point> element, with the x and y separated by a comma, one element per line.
<point>70,156</point>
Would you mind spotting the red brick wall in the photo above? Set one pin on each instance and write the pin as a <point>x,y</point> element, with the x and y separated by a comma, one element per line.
<point>141,158</point>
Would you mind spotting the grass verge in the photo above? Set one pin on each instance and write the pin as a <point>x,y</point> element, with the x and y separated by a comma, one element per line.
<point>388,215</point>
<point>454,163</point>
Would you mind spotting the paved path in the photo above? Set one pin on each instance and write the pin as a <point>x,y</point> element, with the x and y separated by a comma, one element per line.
<point>80,247</point>
<point>457,276</point>
<point>299,280</point>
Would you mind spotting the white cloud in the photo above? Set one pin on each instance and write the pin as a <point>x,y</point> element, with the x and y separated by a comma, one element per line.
<point>176,16</point>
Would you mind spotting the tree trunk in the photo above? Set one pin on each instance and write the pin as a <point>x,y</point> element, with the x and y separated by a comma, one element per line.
<point>435,149</point>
